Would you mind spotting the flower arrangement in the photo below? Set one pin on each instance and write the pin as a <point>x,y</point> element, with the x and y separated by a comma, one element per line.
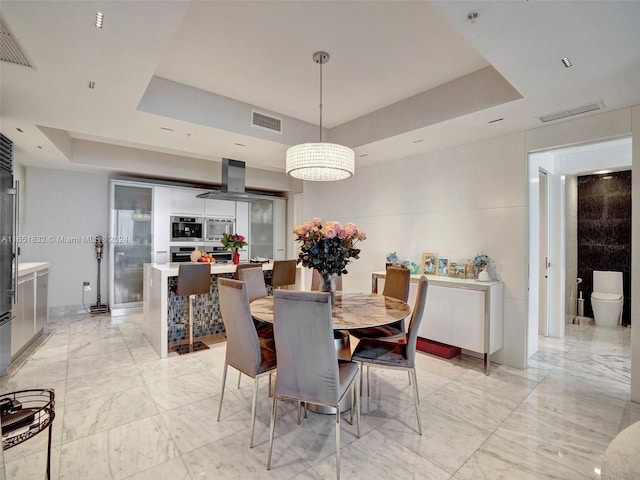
<point>328,248</point>
<point>481,261</point>
<point>233,242</point>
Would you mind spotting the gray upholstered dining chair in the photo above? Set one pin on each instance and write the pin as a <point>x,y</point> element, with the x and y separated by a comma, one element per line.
<point>256,288</point>
<point>316,281</point>
<point>242,266</point>
<point>308,367</point>
<point>254,278</point>
<point>247,352</point>
<point>283,273</point>
<point>396,285</point>
<point>193,279</point>
<point>396,355</point>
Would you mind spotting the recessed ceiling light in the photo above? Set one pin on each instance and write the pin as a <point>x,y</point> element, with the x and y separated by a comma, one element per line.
<point>472,16</point>
<point>40,147</point>
<point>496,120</point>
<point>418,141</point>
<point>364,155</point>
<point>167,129</point>
<point>19,129</point>
<point>566,62</point>
<point>239,144</point>
<point>99,19</point>
<point>92,84</point>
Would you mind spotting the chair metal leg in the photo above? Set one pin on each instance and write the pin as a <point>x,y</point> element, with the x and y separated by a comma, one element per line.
<point>191,297</point>
<point>338,442</point>
<point>368,382</point>
<point>357,404</point>
<point>361,367</point>
<point>224,379</point>
<point>272,429</point>
<point>351,391</point>
<point>415,398</point>
<point>239,377</point>
<point>409,373</point>
<point>253,409</point>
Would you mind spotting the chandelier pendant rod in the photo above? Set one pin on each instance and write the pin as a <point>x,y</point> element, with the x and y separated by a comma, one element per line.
<point>321,62</point>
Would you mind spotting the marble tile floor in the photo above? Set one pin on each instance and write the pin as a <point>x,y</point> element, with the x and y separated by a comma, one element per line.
<point>124,413</point>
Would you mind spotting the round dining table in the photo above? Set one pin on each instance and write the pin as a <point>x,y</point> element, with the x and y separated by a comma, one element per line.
<point>350,310</point>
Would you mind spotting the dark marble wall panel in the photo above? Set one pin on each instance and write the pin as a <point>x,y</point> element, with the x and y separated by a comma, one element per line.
<point>604,232</point>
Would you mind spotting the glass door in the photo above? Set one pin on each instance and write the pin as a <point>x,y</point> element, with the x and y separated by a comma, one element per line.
<point>261,239</point>
<point>130,241</point>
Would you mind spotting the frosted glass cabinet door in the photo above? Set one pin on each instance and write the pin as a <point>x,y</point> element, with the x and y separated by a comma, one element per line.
<point>131,245</point>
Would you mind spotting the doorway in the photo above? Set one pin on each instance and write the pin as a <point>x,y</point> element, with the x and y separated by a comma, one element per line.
<point>557,164</point>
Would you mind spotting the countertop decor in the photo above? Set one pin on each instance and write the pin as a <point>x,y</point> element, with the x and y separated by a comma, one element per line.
<point>234,243</point>
<point>328,248</point>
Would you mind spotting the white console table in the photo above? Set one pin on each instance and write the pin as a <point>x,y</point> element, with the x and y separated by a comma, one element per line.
<point>462,312</point>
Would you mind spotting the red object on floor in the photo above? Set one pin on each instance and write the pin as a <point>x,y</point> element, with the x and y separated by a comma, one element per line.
<point>436,348</point>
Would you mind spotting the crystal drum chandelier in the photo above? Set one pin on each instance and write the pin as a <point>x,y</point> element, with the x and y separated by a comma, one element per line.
<point>320,162</point>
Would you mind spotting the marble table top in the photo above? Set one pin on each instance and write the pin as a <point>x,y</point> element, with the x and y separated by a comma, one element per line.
<point>622,458</point>
<point>351,310</point>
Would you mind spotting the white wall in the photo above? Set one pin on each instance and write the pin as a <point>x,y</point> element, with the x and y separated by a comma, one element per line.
<point>635,256</point>
<point>70,205</point>
<point>456,202</point>
<point>571,245</point>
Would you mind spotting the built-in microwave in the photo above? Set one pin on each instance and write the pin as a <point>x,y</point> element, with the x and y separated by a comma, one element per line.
<point>217,227</point>
<point>187,229</point>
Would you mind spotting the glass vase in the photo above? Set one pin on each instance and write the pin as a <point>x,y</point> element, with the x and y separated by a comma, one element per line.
<point>329,285</point>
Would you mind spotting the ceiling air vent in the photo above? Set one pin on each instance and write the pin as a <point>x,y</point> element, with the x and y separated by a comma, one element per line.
<point>10,50</point>
<point>591,107</point>
<point>267,122</point>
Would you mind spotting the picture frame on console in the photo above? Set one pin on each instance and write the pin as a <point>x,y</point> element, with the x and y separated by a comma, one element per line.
<point>443,266</point>
<point>429,265</point>
<point>458,270</point>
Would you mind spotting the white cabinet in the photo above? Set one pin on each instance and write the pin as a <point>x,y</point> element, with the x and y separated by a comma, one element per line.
<point>219,208</point>
<point>466,318</point>
<point>242,228</point>
<point>184,201</point>
<point>161,224</point>
<point>42,300</point>
<point>30,310</point>
<point>437,324</point>
<point>279,229</point>
<point>463,313</point>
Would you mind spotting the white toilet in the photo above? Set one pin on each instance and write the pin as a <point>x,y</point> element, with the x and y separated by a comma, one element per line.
<point>607,298</point>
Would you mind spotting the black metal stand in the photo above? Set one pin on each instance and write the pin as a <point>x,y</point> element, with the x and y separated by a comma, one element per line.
<point>99,307</point>
<point>25,414</point>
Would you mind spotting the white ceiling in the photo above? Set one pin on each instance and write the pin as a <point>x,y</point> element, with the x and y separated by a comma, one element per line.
<point>404,77</point>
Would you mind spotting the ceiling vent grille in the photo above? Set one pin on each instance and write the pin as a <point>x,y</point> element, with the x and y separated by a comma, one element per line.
<point>10,50</point>
<point>261,120</point>
<point>591,107</point>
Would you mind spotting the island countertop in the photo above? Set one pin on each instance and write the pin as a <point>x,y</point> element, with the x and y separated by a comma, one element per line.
<point>25,268</point>
<point>171,269</point>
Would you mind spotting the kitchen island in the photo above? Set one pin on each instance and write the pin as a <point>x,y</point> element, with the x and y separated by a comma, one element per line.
<point>165,313</point>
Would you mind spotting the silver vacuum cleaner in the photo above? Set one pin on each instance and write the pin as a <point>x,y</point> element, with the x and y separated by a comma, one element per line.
<point>99,307</point>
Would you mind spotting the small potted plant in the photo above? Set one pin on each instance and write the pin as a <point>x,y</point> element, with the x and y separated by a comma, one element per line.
<point>234,242</point>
